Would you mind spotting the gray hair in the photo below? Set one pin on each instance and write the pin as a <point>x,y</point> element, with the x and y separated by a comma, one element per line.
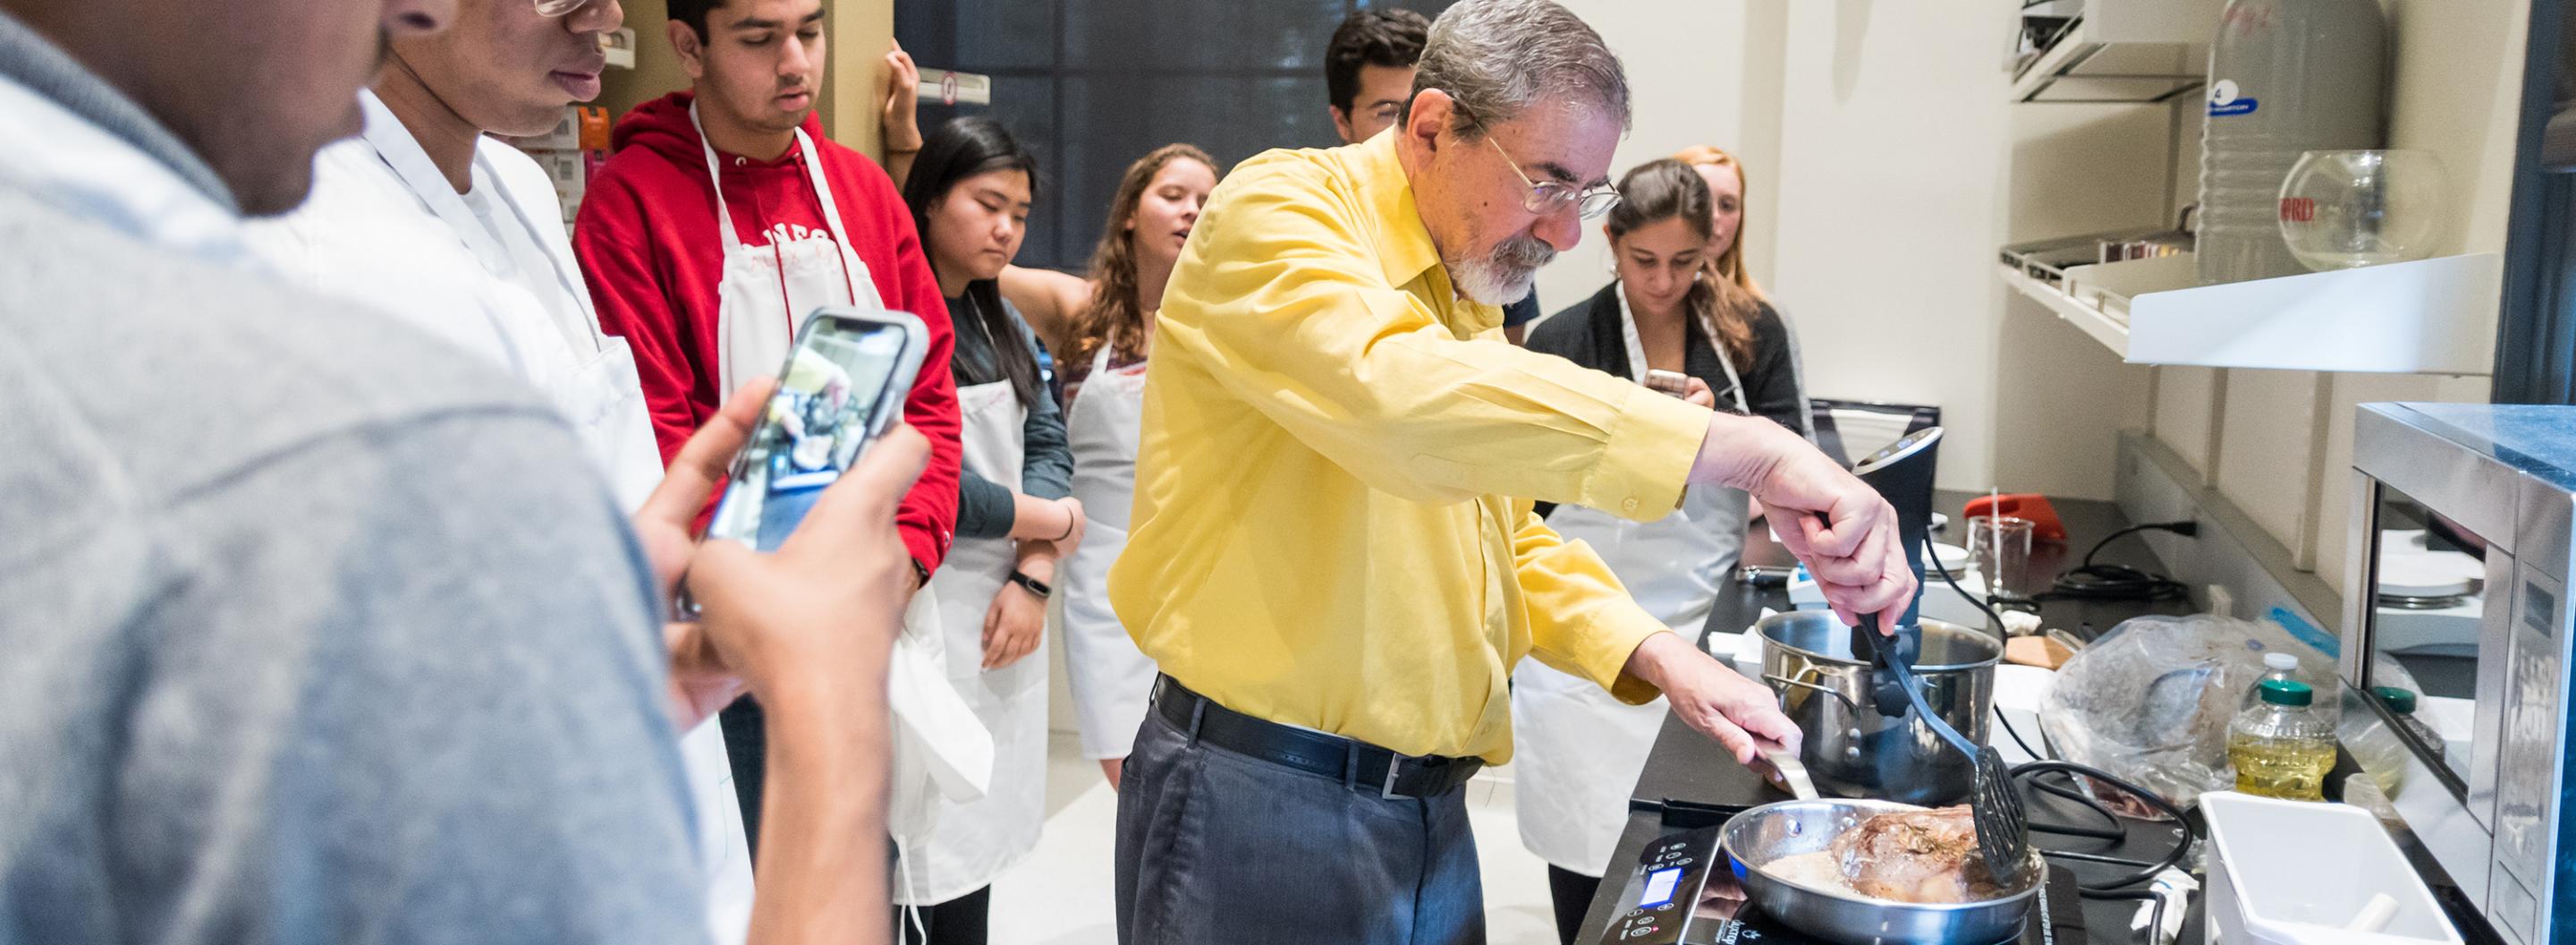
<point>1499,57</point>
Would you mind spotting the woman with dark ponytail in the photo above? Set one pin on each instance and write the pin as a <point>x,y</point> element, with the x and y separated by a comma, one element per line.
<point>970,191</point>
<point>1670,310</point>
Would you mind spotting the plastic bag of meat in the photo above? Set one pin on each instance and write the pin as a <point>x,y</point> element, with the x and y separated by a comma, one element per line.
<point>2150,701</point>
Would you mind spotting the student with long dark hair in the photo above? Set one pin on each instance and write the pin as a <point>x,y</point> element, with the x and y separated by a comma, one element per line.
<point>1101,329</point>
<point>970,190</point>
<point>1580,748</point>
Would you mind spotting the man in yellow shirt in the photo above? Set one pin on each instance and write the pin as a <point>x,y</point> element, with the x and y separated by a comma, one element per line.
<point>1333,558</point>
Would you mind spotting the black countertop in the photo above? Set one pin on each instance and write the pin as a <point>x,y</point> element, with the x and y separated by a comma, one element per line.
<point>1685,765</point>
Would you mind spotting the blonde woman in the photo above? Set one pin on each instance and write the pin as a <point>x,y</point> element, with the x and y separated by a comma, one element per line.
<point>1101,330</point>
<point>1741,302</point>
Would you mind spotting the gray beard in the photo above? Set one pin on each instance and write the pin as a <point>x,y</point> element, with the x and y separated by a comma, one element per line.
<point>1503,276</point>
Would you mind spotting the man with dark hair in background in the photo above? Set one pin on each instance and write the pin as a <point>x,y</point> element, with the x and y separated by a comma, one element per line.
<point>723,218</point>
<point>1368,69</point>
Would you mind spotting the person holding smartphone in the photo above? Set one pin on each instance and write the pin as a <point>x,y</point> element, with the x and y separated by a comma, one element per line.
<point>970,191</point>
<point>426,215</point>
<point>319,624</point>
<point>1662,319</point>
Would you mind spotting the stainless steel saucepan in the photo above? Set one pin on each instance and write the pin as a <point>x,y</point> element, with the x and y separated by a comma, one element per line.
<point>1852,748</point>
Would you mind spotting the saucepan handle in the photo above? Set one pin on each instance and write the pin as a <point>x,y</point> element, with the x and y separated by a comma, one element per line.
<point>1784,681</point>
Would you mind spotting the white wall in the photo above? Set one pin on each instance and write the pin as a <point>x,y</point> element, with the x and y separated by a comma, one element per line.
<point>1894,141</point>
<point>1686,78</point>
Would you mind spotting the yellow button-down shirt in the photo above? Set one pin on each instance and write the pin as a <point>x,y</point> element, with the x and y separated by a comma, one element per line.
<point>1321,534</point>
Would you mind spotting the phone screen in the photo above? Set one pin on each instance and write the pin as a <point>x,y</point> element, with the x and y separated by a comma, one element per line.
<point>837,390</point>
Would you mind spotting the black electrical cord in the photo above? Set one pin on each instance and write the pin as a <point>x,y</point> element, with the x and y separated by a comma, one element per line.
<point>2155,912</point>
<point>2035,754</point>
<point>1932,557</point>
<point>2172,859</point>
<point>2114,831</point>
<point>2090,581</point>
<point>2184,528</point>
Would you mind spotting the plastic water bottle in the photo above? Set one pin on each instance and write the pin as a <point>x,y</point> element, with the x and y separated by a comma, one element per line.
<point>2276,665</point>
<point>2285,77</point>
<point>2282,747</point>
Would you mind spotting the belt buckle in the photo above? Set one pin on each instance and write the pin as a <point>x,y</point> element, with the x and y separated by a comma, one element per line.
<point>1387,792</point>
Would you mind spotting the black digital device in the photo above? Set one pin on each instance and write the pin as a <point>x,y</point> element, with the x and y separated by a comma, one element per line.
<point>844,382</point>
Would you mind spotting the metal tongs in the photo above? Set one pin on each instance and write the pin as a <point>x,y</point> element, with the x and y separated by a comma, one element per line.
<point>2003,825</point>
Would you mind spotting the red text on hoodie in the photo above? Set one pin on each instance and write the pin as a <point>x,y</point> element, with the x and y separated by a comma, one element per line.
<point>651,251</point>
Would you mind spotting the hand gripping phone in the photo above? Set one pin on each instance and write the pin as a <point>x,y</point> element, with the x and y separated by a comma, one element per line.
<point>844,383</point>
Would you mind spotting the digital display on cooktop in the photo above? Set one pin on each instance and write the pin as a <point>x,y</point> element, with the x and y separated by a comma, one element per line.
<point>1659,887</point>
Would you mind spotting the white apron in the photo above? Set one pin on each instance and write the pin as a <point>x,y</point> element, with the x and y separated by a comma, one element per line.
<point>767,291</point>
<point>1112,680</point>
<point>1578,749</point>
<point>972,842</point>
<point>942,756</point>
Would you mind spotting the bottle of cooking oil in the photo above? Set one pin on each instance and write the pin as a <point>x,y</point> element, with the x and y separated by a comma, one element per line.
<point>2282,747</point>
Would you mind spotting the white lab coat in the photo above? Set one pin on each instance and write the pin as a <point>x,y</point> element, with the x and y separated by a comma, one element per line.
<point>384,228</point>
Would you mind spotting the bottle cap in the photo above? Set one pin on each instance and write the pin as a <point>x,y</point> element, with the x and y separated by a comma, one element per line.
<point>2289,692</point>
<point>2400,701</point>
<point>2281,661</point>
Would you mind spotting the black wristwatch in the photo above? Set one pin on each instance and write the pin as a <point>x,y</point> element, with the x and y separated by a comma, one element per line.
<point>1032,585</point>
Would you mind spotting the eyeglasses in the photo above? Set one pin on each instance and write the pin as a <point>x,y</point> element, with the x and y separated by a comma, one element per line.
<point>555,8</point>
<point>1548,197</point>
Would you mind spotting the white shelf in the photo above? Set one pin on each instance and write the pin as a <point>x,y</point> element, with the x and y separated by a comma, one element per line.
<point>2124,51</point>
<point>2112,333</point>
<point>2430,316</point>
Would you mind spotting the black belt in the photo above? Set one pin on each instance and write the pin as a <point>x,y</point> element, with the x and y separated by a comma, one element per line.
<point>1357,763</point>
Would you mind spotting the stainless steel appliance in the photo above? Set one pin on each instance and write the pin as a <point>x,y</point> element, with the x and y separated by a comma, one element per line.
<point>2455,643</point>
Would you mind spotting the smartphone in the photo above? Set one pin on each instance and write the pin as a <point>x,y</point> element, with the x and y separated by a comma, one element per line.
<point>844,383</point>
<point>1675,383</point>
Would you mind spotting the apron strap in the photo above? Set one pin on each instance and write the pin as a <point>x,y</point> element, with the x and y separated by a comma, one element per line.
<point>831,214</point>
<point>1637,353</point>
<point>715,178</point>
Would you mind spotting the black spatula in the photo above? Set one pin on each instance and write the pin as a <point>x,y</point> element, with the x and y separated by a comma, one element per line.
<point>2003,826</point>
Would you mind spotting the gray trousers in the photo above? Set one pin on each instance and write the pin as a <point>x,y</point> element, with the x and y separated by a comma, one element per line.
<point>1218,847</point>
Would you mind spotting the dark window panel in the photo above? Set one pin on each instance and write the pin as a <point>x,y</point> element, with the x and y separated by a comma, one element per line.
<point>1091,85</point>
<point>1197,35</point>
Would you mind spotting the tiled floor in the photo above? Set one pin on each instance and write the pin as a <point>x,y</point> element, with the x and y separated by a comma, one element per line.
<point>1060,894</point>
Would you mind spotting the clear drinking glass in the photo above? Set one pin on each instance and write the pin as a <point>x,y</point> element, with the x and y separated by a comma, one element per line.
<point>2345,209</point>
<point>2000,550</point>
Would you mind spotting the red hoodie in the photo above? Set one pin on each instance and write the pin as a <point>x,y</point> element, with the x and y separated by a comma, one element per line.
<point>649,247</point>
